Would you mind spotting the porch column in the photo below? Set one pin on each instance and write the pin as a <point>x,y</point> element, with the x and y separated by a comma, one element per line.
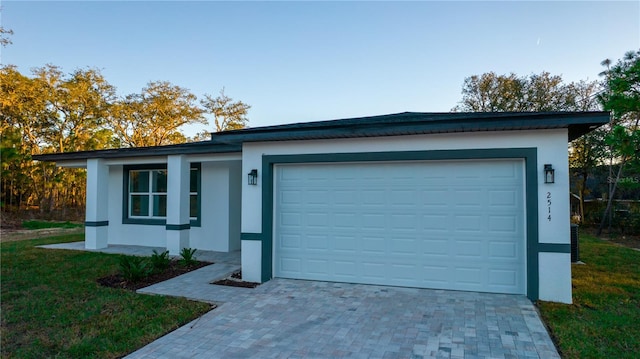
<point>178,224</point>
<point>96,225</point>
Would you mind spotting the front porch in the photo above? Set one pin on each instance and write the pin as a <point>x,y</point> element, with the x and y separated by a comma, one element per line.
<point>232,258</point>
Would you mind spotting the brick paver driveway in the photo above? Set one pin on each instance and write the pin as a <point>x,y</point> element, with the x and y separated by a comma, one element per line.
<point>306,319</point>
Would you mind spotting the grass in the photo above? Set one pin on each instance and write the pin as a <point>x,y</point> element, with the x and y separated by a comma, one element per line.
<point>604,318</point>
<point>53,307</point>
<point>49,224</point>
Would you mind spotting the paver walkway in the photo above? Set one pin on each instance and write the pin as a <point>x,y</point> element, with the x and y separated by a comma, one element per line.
<point>286,318</point>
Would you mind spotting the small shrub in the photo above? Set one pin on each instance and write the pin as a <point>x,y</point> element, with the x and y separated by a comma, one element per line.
<point>188,257</point>
<point>160,261</point>
<point>134,269</point>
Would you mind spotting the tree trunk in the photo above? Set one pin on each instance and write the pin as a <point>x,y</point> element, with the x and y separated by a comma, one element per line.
<point>610,200</point>
<point>581,193</point>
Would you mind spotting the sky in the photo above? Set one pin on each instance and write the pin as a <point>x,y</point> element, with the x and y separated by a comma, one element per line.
<point>311,61</point>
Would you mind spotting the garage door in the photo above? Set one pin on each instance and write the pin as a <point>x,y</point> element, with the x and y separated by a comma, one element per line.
<point>429,224</point>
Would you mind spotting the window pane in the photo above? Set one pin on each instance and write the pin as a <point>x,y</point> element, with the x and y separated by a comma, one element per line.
<point>193,206</point>
<point>139,205</point>
<point>138,181</point>
<point>159,181</point>
<point>160,206</point>
<point>193,184</point>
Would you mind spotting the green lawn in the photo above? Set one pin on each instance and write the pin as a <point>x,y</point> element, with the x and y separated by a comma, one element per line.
<point>604,319</point>
<point>53,307</point>
<point>49,224</point>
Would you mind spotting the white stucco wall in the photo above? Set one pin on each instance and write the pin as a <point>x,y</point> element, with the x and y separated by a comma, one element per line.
<point>129,234</point>
<point>218,230</point>
<point>552,149</point>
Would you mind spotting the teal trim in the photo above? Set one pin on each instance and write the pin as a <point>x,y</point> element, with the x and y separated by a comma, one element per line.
<point>250,236</point>
<point>177,227</point>
<point>96,223</point>
<point>531,192</point>
<point>196,222</point>
<point>267,216</point>
<point>554,248</point>
<point>154,221</point>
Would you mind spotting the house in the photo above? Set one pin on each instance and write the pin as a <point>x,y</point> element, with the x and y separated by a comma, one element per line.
<point>462,201</point>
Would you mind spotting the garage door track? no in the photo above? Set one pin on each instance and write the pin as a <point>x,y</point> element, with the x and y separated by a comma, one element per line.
<point>286,318</point>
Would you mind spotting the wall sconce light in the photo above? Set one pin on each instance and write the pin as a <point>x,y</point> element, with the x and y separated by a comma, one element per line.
<point>549,176</point>
<point>253,177</point>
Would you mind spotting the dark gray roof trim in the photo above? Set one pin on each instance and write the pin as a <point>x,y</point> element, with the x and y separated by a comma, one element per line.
<point>414,123</point>
<point>406,123</point>
<point>183,148</point>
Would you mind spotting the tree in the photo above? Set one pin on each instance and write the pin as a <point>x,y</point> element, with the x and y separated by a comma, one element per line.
<point>49,112</point>
<point>622,97</point>
<point>587,151</point>
<point>154,116</point>
<point>227,115</point>
<point>490,92</point>
<point>77,108</point>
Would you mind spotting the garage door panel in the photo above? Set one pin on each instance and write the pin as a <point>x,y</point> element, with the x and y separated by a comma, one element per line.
<point>402,246</point>
<point>468,198</point>
<point>290,265</point>
<point>373,245</point>
<point>503,223</point>
<point>373,221</point>
<point>316,220</point>
<point>435,276</point>
<point>316,242</point>
<point>448,225</point>
<point>435,247</point>
<point>468,223</point>
<point>290,219</point>
<point>374,271</point>
<point>468,276</point>
<point>470,249</point>
<point>403,222</point>
<point>290,241</point>
<point>434,222</point>
<point>506,198</point>
<point>503,250</point>
<point>434,198</point>
<point>346,245</point>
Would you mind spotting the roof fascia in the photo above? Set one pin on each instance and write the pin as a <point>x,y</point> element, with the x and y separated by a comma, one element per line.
<point>526,121</point>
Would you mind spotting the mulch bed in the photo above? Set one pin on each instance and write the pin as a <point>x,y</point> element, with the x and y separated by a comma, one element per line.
<point>175,269</point>
<point>235,280</point>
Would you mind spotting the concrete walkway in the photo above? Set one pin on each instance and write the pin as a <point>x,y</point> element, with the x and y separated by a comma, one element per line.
<point>286,318</point>
<point>207,256</point>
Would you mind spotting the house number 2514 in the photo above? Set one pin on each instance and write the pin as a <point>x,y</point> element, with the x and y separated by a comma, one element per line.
<point>549,206</point>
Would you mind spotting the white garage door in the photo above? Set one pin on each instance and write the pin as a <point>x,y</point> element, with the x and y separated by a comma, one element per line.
<point>428,224</point>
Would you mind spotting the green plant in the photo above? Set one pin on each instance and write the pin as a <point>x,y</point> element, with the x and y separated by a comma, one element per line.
<point>133,268</point>
<point>188,257</point>
<point>160,261</point>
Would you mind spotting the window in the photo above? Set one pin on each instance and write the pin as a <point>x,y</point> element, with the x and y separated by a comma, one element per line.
<point>146,194</point>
